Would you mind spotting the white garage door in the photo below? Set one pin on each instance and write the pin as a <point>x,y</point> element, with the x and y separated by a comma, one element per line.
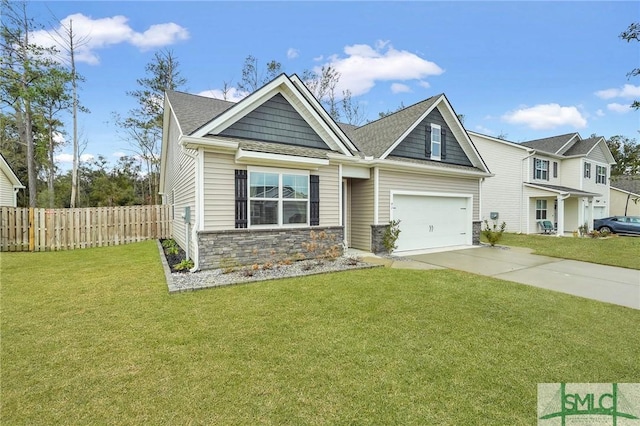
<point>432,221</point>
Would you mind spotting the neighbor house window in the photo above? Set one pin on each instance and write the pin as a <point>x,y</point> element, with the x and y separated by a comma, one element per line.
<point>555,169</point>
<point>541,169</point>
<point>541,209</point>
<point>436,142</point>
<point>587,170</point>
<point>601,174</point>
<point>278,199</point>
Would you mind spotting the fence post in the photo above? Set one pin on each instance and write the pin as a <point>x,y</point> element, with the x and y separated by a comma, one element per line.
<point>32,231</point>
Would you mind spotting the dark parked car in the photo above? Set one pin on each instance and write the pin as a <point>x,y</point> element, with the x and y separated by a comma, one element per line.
<point>618,224</point>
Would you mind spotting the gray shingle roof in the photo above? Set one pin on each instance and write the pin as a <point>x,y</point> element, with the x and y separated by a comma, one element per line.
<point>275,148</point>
<point>626,183</point>
<point>582,147</point>
<point>551,145</point>
<point>376,137</point>
<point>193,111</point>
<point>566,189</point>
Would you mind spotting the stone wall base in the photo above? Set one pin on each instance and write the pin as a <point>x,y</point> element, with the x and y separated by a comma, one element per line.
<point>239,247</point>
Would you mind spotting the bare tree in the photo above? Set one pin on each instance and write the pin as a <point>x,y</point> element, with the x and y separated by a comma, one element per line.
<point>70,43</point>
<point>632,33</point>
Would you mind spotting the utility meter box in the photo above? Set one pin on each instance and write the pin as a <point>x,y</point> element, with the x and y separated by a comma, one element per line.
<point>187,214</point>
<point>494,215</point>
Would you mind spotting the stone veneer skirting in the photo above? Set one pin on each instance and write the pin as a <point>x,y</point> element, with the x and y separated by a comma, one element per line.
<point>249,246</point>
<point>377,235</point>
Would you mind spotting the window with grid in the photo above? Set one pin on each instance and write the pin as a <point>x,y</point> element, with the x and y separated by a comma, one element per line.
<point>587,170</point>
<point>541,170</point>
<point>541,209</point>
<point>601,174</point>
<point>278,199</point>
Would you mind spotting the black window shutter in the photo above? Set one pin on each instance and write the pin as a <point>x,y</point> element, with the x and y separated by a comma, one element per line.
<point>535,164</point>
<point>314,200</point>
<point>443,143</point>
<point>241,199</point>
<point>427,145</point>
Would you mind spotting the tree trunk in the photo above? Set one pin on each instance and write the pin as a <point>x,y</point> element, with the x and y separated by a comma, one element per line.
<point>76,154</point>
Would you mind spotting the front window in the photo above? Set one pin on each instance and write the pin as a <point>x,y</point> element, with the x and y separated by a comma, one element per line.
<point>601,174</point>
<point>436,142</point>
<point>541,169</point>
<point>278,199</point>
<point>587,170</point>
<point>541,209</point>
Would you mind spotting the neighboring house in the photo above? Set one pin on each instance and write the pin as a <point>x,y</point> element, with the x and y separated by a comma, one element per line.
<point>625,196</point>
<point>563,179</point>
<point>250,180</point>
<point>9,185</point>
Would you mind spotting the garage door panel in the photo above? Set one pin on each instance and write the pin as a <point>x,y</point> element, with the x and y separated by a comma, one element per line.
<point>431,221</point>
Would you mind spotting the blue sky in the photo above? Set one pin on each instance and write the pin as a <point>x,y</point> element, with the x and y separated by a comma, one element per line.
<point>526,70</point>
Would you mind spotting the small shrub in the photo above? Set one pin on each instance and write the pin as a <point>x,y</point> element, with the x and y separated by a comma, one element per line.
<point>604,234</point>
<point>492,233</point>
<point>247,272</point>
<point>321,246</point>
<point>391,234</point>
<point>583,230</point>
<point>170,246</point>
<point>184,265</point>
<point>267,266</point>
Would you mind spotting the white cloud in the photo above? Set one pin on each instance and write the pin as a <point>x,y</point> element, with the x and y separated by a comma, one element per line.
<point>619,108</point>
<point>233,94</point>
<point>292,53</point>
<point>119,154</point>
<point>400,88</point>
<point>92,35</point>
<point>59,138</point>
<point>628,91</point>
<point>546,116</point>
<point>484,130</point>
<point>600,113</point>
<point>364,66</point>
<point>424,84</point>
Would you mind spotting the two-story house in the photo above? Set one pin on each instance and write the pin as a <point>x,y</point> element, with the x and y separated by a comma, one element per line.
<point>563,179</point>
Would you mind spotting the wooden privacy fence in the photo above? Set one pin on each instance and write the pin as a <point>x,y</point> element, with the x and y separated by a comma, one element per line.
<point>27,229</point>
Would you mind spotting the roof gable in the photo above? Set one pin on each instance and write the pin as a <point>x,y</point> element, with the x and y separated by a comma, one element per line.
<point>375,138</point>
<point>275,121</point>
<point>381,138</point>
<point>8,172</point>
<point>307,108</point>
<point>553,144</point>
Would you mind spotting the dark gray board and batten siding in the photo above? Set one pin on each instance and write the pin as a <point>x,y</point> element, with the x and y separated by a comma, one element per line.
<point>413,146</point>
<point>276,121</point>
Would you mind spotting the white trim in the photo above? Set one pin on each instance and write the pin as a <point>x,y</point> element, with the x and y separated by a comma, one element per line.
<point>340,200</point>
<point>211,143</point>
<point>265,158</point>
<point>376,197</point>
<point>280,199</point>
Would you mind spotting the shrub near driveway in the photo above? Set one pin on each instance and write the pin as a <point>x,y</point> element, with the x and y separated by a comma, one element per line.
<point>91,336</point>
<point>614,250</point>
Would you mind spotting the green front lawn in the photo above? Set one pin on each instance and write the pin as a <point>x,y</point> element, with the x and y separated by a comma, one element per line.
<point>614,250</point>
<point>92,337</point>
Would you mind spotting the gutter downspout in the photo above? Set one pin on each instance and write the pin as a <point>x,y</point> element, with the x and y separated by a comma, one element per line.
<point>194,229</point>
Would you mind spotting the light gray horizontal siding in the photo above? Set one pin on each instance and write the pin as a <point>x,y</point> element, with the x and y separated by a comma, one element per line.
<point>329,195</point>
<point>361,213</point>
<point>6,191</point>
<point>414,145</point>
<point>276,121</point>
<point>219,191</point>
<point>401,181</point>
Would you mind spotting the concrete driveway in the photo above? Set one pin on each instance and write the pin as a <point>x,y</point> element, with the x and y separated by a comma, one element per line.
<point>610,284</point>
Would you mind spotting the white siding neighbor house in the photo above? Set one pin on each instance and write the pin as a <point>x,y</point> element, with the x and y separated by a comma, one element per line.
<point>562,179</point>
<point>250,179</point>
<point>9,185</point>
